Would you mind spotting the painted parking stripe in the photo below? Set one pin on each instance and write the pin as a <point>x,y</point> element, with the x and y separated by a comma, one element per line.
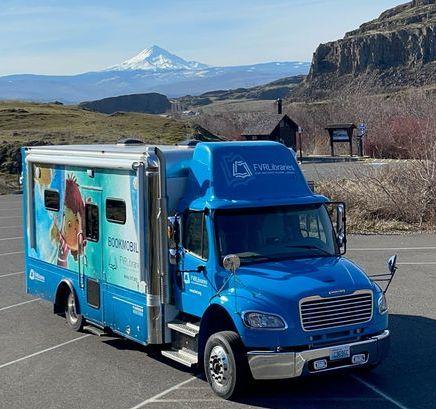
<point>154,398</point>
<point>300,400</point>
<point>43,351</point>
<point>421,263</point>
<point>12,252</point>
<point>19,304</point>
<point>391,248</point>
<point>12,238</point>
<point>379,392</point>
<point>10,217</point>
<point>12,227</point>
<point>11,274</point>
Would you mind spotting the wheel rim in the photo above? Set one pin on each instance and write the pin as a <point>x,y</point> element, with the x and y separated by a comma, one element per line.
<point>71,308</point>
<point>219,366</point>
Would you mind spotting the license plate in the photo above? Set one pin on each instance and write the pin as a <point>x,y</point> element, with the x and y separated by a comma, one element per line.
<point>339,353</point>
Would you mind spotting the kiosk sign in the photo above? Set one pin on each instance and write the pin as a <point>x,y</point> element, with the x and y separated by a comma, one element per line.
<point>340,135</point>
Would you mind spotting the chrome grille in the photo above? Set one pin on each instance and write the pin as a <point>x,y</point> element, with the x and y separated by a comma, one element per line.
<point>323,313</point>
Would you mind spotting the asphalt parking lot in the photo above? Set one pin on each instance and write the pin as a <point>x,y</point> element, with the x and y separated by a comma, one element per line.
<point>324,170</point>
<point>45,365</point>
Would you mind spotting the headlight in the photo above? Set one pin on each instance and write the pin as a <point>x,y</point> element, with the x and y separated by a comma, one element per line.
<point>255,319</point>
<point>382,304</point>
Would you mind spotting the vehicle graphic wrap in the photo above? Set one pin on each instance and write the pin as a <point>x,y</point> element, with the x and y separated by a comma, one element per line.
<point>61,234</point>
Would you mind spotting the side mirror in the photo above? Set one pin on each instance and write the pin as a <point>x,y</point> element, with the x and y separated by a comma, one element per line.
<point>231,262</point>
<point>337,216</point>
<point>392,264</point>
<point>340,224</point>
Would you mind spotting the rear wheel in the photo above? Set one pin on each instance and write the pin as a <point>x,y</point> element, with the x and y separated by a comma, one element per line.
<point>74,320</point>
<point>225,364</point>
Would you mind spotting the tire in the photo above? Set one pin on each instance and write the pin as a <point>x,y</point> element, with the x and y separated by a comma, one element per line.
<point>225,364</point>
<point>74,320</point>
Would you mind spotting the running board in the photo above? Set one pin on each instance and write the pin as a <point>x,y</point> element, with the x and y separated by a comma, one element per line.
<point>94,330</point>
<point>183,356</point>
<point>187,328</point>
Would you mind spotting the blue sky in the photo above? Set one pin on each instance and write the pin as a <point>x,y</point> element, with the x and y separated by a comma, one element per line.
<point>73,36</point>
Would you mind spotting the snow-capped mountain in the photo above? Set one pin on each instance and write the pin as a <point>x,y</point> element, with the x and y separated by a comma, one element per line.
<point>152,70</point>
<point>155,58</point>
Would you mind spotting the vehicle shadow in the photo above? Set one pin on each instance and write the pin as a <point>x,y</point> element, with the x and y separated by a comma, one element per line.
<point>407,376</point>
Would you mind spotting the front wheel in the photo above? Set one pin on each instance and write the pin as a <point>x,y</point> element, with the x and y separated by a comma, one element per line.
<point>74,320</point>
<point>225,364</point>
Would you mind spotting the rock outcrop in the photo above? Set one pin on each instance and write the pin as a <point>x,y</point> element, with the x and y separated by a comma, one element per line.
<point>394,51</point>
<point>151,103</point>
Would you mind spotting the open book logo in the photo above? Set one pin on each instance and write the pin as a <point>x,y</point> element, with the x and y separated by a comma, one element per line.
<point>241,169</point>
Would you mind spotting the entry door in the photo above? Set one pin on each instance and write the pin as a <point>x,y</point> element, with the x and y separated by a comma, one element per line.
<point>92,263</point>
<point>193,287</point>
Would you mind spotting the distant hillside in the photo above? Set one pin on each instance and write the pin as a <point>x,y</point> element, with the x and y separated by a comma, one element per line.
<point>152,103</point>
<point>281,88</point>
<point>40,124</point>
<point>393,52</point>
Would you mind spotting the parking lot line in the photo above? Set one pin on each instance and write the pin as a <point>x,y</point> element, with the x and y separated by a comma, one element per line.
<point>390,248</point>
<point>378,391</point>
<point>43,351</point>
<point>159,395</point>
<point>10,217</point>
<point>334,399</point>
<point>11,227</point>
<point>11,274</point>
<point>420,263</point>
<point>17,305</point>
<point>12,252</point>
<point>11,238</point>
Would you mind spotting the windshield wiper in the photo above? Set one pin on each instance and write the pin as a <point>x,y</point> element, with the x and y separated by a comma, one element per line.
<point>258,257</point>
<point>308,246</point>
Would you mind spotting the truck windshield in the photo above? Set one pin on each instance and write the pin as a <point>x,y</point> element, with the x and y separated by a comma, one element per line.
<point>274,233</point>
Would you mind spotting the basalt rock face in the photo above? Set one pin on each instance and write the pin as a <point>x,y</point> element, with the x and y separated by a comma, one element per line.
<point>394,51</point>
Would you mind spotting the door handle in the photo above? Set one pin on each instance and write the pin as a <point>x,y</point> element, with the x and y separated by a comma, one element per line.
<point>79,264</point>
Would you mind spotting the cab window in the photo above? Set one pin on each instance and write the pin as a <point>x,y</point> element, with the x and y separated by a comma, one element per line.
<point>195,235</point>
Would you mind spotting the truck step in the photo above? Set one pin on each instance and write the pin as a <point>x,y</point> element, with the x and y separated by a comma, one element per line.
<point>187,328</point>
<point>183,356</point>
<point>94,330</point>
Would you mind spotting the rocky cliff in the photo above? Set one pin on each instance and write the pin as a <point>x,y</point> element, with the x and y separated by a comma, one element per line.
<point>394,51</point>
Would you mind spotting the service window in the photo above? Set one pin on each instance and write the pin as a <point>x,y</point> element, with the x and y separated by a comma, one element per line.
<point>51,200</point>
<point>116,211</point>
<point>195,235</point>
<point>91,222</point>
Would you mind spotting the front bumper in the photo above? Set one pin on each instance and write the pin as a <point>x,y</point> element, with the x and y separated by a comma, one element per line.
<point>282,365</point>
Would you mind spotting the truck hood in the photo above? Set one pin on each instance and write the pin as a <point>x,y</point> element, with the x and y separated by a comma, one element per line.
<point>297,278</point>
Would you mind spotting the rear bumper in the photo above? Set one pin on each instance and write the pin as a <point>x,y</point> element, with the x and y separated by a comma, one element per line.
<point>282,365</point>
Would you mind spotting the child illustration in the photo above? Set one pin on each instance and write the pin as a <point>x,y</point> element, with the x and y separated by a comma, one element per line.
<point>70,235</point>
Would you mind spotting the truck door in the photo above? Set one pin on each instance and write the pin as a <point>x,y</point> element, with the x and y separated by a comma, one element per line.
<point>91,261</point>
<point>193,288</point>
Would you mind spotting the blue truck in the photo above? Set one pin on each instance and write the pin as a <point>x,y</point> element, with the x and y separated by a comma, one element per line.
<point>220,254</point>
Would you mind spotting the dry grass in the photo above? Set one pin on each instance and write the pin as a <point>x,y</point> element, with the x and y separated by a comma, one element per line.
<point>23,122</point>
<point>394,198</point>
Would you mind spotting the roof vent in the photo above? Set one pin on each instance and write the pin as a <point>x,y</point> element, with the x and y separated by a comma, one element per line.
<point>130,141</point>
